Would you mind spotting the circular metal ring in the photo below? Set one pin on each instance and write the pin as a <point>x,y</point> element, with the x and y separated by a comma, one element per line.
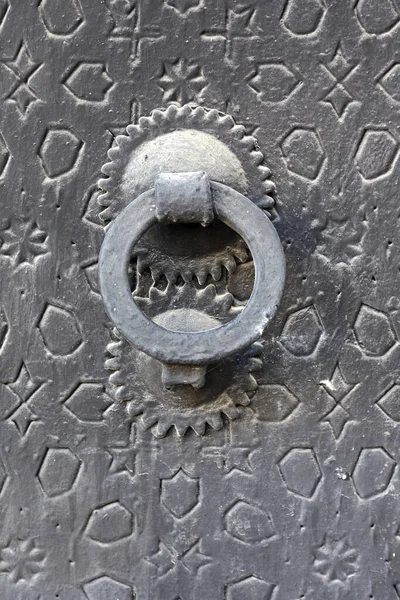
<point>203,347</point>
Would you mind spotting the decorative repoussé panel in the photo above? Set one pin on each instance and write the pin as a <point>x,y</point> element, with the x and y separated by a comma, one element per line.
<point>298,499</point>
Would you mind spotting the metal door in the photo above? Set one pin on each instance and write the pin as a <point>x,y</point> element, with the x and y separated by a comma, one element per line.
<point>297,497</point>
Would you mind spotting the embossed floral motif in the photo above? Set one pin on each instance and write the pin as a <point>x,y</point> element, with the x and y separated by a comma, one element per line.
<point>23,240</point>
<point>335,559</point>
<point>21,559</point>
<point>182,81</point>
<point>341,240</point>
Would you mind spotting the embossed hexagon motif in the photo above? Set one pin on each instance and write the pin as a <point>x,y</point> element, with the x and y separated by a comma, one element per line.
<point>89,82</point>
<point>373,472</point>
<point>249,588</point>
<point>60,330</point>
<point>302,331</point>
<point>373,331</point>
<point>88,402</point>
<point>61,17</point>
<point>376,153</point>
<point>302,17</point>
<point>180,493</point>
<point>273,82</point>
<point>58,471</point>
<point>377,17</point>
<point>106,588</point>
<point>390,403</point>
<point>303,152</point>
<point>110,523</point>
<point>300,471</point>
<point>59,151</point>
<point>274,402</point>
<point>390,82</point>
<point>248,523</point>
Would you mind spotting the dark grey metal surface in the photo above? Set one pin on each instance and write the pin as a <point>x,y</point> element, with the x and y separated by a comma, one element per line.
<point>299,498</point>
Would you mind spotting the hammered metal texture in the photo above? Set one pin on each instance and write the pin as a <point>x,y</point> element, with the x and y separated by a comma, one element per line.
<point>299,498</point>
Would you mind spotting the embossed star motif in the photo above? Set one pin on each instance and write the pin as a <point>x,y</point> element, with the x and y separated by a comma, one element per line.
<point>230,459</point>
<point>16,406</point>
<point>241,20</point>
<point>339,68</point>
<point>19,71</point>
<point>22,240</point>
<point>123,461</point>
<point>338,389</point>
<point>181,81</point>
<point>166,560</point>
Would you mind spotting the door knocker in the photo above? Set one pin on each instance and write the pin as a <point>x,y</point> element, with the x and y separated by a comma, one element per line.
<point>181,214</point>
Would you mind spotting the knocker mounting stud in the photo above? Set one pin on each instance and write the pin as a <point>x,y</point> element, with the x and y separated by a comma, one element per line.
<point>160,188</point>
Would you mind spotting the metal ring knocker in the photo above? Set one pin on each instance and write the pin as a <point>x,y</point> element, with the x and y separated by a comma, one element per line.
<point>188,198</point>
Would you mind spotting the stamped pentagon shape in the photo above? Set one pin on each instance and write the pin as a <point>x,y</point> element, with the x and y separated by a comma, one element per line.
<point>378,18</point>
<point>274,402</point>
<point>390,82</point>
<point>180,493</point>
<point>303,153</point>
<point>60,330</point>
<point>110,523</point>
<point>59,151</point>
<point>88,401</point>
<point>4,155</point>
<point>273,82</point>
<point>58,471</point>
<point>248,523</point>
<point>89,82</point>
<point>107,588</point>
<point>302,331</point>
<point>302,17</point>
<point>373,472</point>
<point>373,331</point>
<point>3,475</point>
<point>61,17</point>
<point>300,471</point>
<point>376,153</point>
<point>390,403</point>
<point>250,588</point>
